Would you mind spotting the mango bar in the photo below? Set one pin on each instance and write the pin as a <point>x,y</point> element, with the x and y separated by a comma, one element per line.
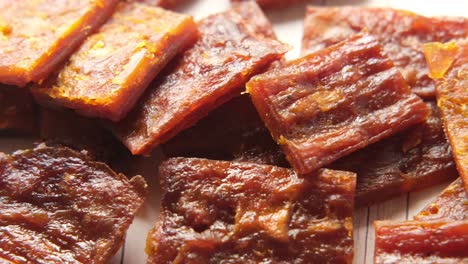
<point>36,37</point>
<point>401,33</point>
<point>330,103</point>
<point>114,66</point>
<point>230,50</point>
<point>448,64</point>
<point>235,212</point>
<point>58,206</point>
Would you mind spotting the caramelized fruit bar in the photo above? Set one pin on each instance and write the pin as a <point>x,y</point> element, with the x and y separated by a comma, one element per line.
<point>413,159</point>
<point>36,37</point>
<point>57,206</point>
<point>401,33</point>
<point>448,64</point>
<point>234,131</point>
<point>17,110</point>
<point>230,50</point>
<point>452,203</point>
<point>234,212</point>
<point>421,242</point>
<point>113,67</point>
<point>330,103</point>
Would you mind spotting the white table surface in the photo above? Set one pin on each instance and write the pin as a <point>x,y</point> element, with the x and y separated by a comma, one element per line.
<point>288,26</point>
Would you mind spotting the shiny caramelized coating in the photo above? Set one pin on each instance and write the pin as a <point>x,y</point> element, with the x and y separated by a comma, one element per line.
<point>234,131</point>
<point>448,64</point>
<point>234,212</point>
<point>452,204</point>
<point>36,36</point>
<point>227,54</point>
<point>57,206</point>
<point>421,242</point>
<point>410,160</point>
<point>17,110</point>
<point>111,70</point>
<point>401,33</point>
<point>330,103</point>
<point>66,128</point>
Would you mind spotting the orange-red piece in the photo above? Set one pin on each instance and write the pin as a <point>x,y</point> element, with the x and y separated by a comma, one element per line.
<point>443,241</point>
<point>17,110</point>
<point>448,64</point>
<point>113,67</point>
<point>335,101</point>
<point>273,4</point>
<point>230,50</point>
<point>36,37</point>
<point>235,212</point>
<point>401,33</point>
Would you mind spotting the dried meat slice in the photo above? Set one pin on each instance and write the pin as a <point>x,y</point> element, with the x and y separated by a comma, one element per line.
<point>421,242</point>
<point>230,50</point>
<point>114,66</point>
<point>273,4</point>
<point>57,206</point>
<point>164,3</point>
<point>401,33</point>
<point>36,37</point>
<point>234,212</point>
<point>451,204</point>
<point>234,132</point>
<point>330,103</point>
<point>17,111</point>
<point>448,64</point>
<point>410,160</point>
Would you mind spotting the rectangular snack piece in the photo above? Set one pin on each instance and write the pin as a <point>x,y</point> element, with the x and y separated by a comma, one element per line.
<point>36,37</point>
<point>234,212</point>
<point>17,110</point>
<point>410,160</point>
<point>330,103</point>
<point>421,242</point>
<point>230,50</point>
<point>448,65</point>
<point>113,67</point>
<point>401,33</point>
<point>451,204</point>
<point>234,132</point>
<point>57,206</point>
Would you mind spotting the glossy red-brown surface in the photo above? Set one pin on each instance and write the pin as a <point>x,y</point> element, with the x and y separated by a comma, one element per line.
<point>67,128</point>
<point>452,204</point>
<point>233,212</point>
<point>401,33</point>
<point>413,159</point>
<point>448,65</point>
<point>330,103</point>
<point>57,206</point>
<point>272,3</point>
<point>37,36</point>
<point>227,54</point>
<point>17,110</point>
<point>421,242</point>
<point>234,131</point>
<point>114,66</point>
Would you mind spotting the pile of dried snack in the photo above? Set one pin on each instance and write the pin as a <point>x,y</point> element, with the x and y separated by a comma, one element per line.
<point>265,158</point>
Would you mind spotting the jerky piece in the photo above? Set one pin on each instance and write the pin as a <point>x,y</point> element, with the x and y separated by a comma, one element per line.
<point>448,65</point>
<point>111,70</point>
<point>272,3</point>
<point>17,110</point>
<point>37,36</point>
<point>57,206</point>
<point>330,103</point>
<point>233,212</point>
<point>452,203</point>
<point>401,33</point>
<point>164,3</point>
<point>234,131</point>
<point>227,54</point>
<point>421,242</point>
<point>416,158</point>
